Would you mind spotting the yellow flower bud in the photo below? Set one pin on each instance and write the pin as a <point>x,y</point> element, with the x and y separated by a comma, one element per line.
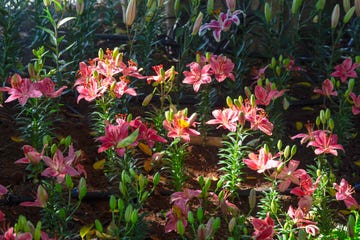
<point>335,16</point>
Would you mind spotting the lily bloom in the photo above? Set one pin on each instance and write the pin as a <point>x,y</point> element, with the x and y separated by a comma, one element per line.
<point>261,162</point>
<point>327,89</point>
<point>161,75</point>
<point>41,199</point>
<point>31,155</point>
<point>326,142</point>
<point>174,215</point>
<point>47,87</point>
<point>197,75</point>
<point>89,90</point>
<point>146,134</point>
<point>121,88</point>
<point>222,67</point>
<point>21,89</point>
<point>311,133</point>
<point>356,99</point>
<point>305,190</point>
<point>179,126</point>
<point>227,118</point>
<point>264,228</point>
<point>181,199</point>
<point>299,218</point>
<point>265,95</point>
<point>259,121</point>
<point>344,193</point>
<point>59,166</point>
<point>345,70</point>
<point>290,174</point>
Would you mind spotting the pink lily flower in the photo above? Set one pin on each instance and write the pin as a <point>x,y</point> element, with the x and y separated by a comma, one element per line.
<point>121,88</point>
<point>180,125</point>
<point>47,87</point>
<point>344,193</point>
<point>261,162</point>
<point>174,215</point>
<point>259,74</point>
<point>31,155</point>
<point>345,70</point>
<point>326,142</point>
<point>222,67</point>
<point>309,136</point>
<point>290,174</point>
<point>264,228</point>
<point>59,166</point>
<point>161,77</point>
<point>265,95</point>
<point>259,121</point>
<point>41,199</point>
<point>197,75</point>
<point>21,89</point>
<point>90,90</point>
<point>356,99</point>
<point>227,118</point>
<point>181,199</point>
<point>327,89</point>
<point>146,134</point>
<point>299,218</point>
<point>305,190</point>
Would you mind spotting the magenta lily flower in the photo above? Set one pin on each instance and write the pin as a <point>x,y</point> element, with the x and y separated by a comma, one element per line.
<point>345,70</point>
<point>261,162</point>
<point>327,89</point>
<point>305,190</point>
<point>21,89</point>
<point>264,228</point>
<point>325,142</point>
<point>344,193</point>
<point>356,99</point>
<point>59,166</point>
<point>290,174</point>
<point>31,155</point>
<point>226,118</point>
<point>146,134</point>
<point>41,199</point>
<point>298,216</point>
<point>197,75</point>
<point>89,90</point>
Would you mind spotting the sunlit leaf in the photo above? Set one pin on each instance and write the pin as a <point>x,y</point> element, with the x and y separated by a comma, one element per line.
<point>16,139</point>
<point>128,140</point>
<point>345,211</point>
<point>148,164</point>
<point>299,125</point>
<point>306,84</point>
<point>64,20</point>
<point>145,149</point>
<point>307,108</point>
<point>357,163</point>
<point>99,164</point>
<point>84,230</point>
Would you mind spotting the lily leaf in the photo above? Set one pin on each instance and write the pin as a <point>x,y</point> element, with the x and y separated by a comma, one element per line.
<point>128,140</point>
<point>64,20</point>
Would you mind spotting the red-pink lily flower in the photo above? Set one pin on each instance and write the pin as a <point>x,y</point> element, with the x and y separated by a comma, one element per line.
<point>344,193</point>
<point>181,199</point>
<point>90,90</point>
<point>226,118</point>
<point>327,89</point>
<point>259,121</point>
<point>326,142</point>
<point>21,89</point>
<point>180,125</point>
<point>174,215</point>
<point>146,134</point>
<point>222,67</point>
<point>47,87</point>
<point>161,75</point>
<point>31,155</point>
<point>41,199</point>
<point>309,136</point>
<point>264,228</point>
<point>345,70</point>
<point>197,75</point>
<point>356,100</point>
<point>290,174</point>
<point>299,218</point>
<point>59,166</point>
<point>121,88</point>
<point>261,162</point>
<point>265,95</point>
<point>305,190</point>
<point>113,135</point>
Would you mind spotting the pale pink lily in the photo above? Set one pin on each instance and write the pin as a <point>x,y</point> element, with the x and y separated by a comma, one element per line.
<point>31,155</point>
<point>180,126</point>
<point>59,166</point>
<point>41,199</point>
<point>261,162</point>
<point>289,174</point>
<point>326,142</point>
<point>299,218</point>
<point>21,89</point>
<point>47,87</point>
<point>356,100</point>
<point>222,67</point>
<point>344,193</point>
<point>197,75</point>
<point>345,70</point>
<point>264,228</point>
<point>327,89</point>
<point>226,118</point>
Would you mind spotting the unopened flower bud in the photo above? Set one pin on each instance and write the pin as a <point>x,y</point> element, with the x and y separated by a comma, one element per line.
<point>357,7</point>
<point>232,224</point>
<point>280,167</point>
<point>231,4</point>
<point>296,4</point>
<point>318,172</point>
<point>351,84</point>
<point>273,63</point>
<point>335,16</point>
<point>134,216</point>
<point>112,203</point>
<point>241,118</point>
<point>47,3</point>
<point>316,19</point>
<point>287,151</point>
<point>278,70</point>
<point>192,118</point>
<point>252,100</point>
<point>252,198</point>
<point>293,150</point>
<point>197,23</point>
<point>348,15</point>
<point>201,232</point>
<point>80,4</point>
<point>317,121</point>
<point>327,114</point>
<point>320,5</point>
<point>331,124</point>
<point>351,225</point>
<point>147,100</point>
<point>128,212</point>
<point>267,12</point>
<point>266,148</point>
<point>285,103</point>
<point>101,54</point>
<point>247,91</point>
<point>346,5</point>
<point>273,206</point>
<point>31,70</point>
<point>130,13</point>
<point>229,101</point>
<point>279,145</point>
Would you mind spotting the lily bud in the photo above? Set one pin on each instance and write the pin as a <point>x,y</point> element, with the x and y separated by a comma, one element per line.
<point>320,5</point>
<point>197,24</point>
<point>295,6</point>
<point>252,198</point>
<point>351,84</point>
<point>335,16</point>
<point>231,224</point>
<point>331,124</point>
<point>130,13</point>
<point>192,118</point>
<point>31,70</point>
<point>348,15</point>
<point>80,4</point>
<point>287,151</point>
<point>128,212</point>
<point>279,145</point>
<point>101,54</point>
<point>293,150</point>
<point>47,3</point>
<point>327,114</point>
<point>241,118</point>
<point>229,102</point>
<point>147,100</point>
<point>267,12</point>
<point>346,5</point>
<point>357,7</point>
<point>231,4</point>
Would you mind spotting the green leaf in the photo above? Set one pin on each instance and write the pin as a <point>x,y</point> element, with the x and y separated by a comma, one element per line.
<point>85,230</point>
<point>64,20</point>
<point>128,140</point>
